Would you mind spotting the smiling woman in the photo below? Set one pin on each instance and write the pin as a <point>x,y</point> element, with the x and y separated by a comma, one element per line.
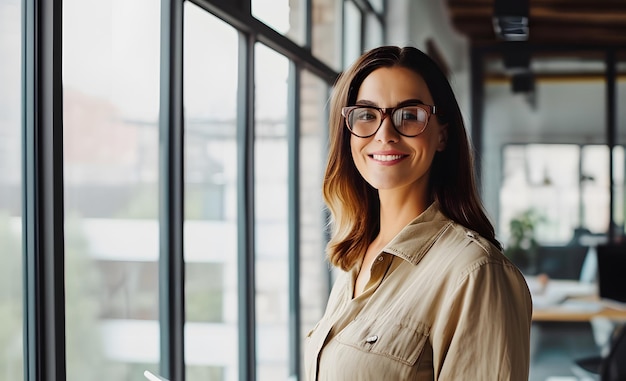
<point>424,277</point>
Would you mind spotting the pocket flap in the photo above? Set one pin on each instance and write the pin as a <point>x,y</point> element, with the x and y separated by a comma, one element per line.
<point>399,341</point>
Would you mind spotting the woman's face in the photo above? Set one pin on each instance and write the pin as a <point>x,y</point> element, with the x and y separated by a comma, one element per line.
<point>388,160</point>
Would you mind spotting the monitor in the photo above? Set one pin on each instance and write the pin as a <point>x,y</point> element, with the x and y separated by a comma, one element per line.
<point>612,272</point>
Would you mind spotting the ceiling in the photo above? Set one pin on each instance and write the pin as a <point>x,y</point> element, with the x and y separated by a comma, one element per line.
<point>564,35</point>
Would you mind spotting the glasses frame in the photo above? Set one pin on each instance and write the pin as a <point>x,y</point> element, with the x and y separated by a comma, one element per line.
<point>388,111</point>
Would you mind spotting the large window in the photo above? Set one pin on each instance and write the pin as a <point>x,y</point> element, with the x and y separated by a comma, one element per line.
<point>11,353</point>
<point>255,78</point>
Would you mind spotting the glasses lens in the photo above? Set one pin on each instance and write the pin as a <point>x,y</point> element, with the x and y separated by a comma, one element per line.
<point>364,121</point>
<point>410,120</point>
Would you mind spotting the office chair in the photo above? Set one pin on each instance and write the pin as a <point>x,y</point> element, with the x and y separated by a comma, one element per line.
<point>613,367</point>
<point>610,366</point>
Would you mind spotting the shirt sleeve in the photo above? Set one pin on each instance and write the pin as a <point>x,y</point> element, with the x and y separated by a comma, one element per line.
<point>483,328</point>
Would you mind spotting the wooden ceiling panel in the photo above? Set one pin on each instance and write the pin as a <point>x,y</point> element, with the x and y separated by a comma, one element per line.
<point>597,22</point>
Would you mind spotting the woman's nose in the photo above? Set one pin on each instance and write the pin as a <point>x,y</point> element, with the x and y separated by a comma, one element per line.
<point>387,132</point>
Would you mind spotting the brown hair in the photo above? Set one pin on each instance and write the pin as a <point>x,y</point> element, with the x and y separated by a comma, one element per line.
<point>353,203</point>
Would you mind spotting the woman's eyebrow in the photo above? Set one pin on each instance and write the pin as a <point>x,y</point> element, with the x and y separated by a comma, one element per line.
<point>410,102</point>
<point>365,102</point>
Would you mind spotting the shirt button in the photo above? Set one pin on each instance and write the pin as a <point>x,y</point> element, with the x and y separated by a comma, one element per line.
<point>372,339</point>
<point>470,234</point>
<point>380,258</point>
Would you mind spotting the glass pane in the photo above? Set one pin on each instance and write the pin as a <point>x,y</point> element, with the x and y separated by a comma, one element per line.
<point>272,287</point>
<point>541,181</point>
<point>326,32</point>
<point>619,169</point>
<point>284,16</point>
<point>373,32</point>
<point>595,189</point>
<point>210,229</point>
<point>11,315</point>
<point>619,156</point>
<point>314,270</point>
<point>378,5</point>
<point>111,108</point>
<point>352,33</point>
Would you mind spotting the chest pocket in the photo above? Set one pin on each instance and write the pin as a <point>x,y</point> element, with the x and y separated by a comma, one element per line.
<point>395,340</point>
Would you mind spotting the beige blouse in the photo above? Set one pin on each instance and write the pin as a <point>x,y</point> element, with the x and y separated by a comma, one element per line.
<point>442,303</point>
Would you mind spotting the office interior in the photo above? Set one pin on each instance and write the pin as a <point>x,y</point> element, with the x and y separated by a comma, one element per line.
<point>161,166</point>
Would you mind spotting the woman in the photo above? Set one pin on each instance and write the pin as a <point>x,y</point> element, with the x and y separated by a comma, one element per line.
<point>425,292</point>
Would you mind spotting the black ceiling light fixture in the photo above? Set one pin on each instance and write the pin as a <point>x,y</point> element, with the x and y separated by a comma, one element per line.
<point>516,56</point>
<point>523,82</point>
<point>510,19</point>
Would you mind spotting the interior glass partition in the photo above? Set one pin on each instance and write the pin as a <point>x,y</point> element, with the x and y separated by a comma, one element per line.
<point>210,228</point>
<point>111,54</point>
<point>619,156</point>
<point>545,152</point>
<point>11,282</point>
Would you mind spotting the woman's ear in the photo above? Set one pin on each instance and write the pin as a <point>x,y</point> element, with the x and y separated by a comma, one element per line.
<point>443,137</point>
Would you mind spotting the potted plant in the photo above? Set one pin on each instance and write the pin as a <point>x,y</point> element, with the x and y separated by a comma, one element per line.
<point>522,246</point>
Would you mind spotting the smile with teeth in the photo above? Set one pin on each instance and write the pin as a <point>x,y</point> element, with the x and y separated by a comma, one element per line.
<point>386,157</point>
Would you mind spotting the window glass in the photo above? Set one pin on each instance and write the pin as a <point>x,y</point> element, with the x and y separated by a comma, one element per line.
<point>111,108</point>
<point>11,315</point>
<point>619,170</point>
<point>271,194</point>
<point>284,16</point>
<point>595,188</point>
<point>210,229</point>
<point>314,271</point>
<point>378,5</point>
<point>373,32</point>
<point>326,32</point>
<point>541,179</point>
<point>353,24</point>
<point>619,159</point>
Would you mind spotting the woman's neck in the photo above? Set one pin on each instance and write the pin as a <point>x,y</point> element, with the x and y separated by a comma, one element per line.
<point>396,211</point>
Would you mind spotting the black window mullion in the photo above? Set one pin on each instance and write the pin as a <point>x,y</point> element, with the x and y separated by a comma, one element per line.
<point>42,171</point>
<point>245,211</point>
<point>171,187</point>
<point>308,24</point>
<point>611,132</point>
<point>293,146</point>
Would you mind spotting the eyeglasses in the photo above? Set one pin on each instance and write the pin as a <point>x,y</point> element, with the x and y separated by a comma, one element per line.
<point>408,120</point>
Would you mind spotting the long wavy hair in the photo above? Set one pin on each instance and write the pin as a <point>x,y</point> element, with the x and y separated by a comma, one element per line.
<point>354,204</point>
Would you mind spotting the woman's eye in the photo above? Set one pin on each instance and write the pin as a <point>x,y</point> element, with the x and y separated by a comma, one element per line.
<point>365,115</point>
<point>409,115</point>
<point>413,114</point>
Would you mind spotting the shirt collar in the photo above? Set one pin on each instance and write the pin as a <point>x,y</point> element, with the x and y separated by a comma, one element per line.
<point>415,239</point>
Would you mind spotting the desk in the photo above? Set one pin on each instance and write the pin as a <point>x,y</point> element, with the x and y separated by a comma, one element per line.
<point>564,313</point>
<point>570,301</point>
<point>569,322</point>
